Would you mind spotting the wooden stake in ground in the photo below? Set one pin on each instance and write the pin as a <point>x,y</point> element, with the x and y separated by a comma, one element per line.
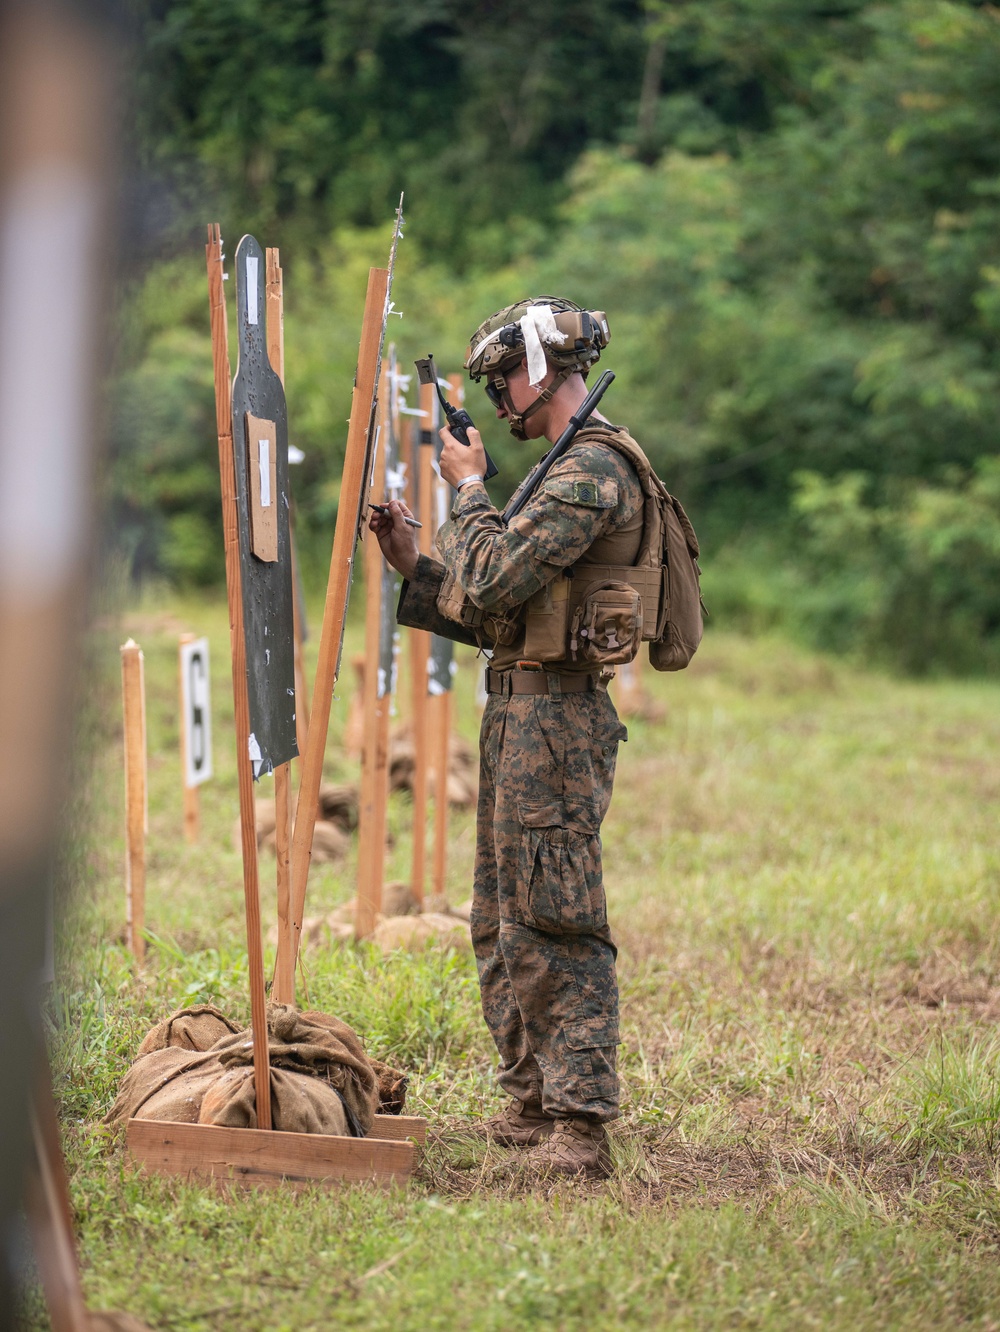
<point>441,701</point>
<point>50,1217</point>
<point>301,681</point>
<point>420,639</point>
<point>241,703</point>
<point>373,804</point>
<point>283,988</point>
<point>353,489</point>
<point>136,816</point>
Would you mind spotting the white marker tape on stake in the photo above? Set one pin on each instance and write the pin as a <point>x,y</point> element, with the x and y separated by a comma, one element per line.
<point>251,289</point>
<point>264,463</point>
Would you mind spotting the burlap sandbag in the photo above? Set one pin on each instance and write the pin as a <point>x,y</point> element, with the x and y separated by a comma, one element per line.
<point>327,1048</point>
<point>415,933</point>
<point>194,1028</point>
<point>300,1103</point>
<point>392,1086</point>
<point>173,1084</point>
<point>165,1084</point>
<point>315,1045</point>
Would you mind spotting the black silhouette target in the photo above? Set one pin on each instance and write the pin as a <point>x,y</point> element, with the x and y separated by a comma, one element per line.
<point>260,448</point>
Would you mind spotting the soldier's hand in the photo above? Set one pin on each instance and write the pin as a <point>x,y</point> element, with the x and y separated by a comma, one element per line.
<point>459,460</point>
<point>396,537</point>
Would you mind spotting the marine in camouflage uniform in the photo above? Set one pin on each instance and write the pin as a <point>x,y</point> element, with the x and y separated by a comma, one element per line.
<point>544,950</point>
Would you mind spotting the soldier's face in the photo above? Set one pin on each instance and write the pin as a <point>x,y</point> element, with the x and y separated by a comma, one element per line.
<point>522,395</point>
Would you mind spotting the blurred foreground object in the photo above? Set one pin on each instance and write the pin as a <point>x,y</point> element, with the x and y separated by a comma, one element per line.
<point>57,76</point>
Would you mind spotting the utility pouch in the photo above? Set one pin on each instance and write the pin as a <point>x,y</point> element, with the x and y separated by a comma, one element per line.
<point>606,628</point>
<point>490,629</point>
<point>547,621</point>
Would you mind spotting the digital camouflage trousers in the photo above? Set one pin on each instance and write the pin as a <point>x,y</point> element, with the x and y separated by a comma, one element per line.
<point>544,951</point>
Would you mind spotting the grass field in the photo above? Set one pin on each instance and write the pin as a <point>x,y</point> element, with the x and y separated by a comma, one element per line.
<point>803,872</point>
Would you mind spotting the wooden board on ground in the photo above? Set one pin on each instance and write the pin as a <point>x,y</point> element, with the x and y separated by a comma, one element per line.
<point>400,1128</point>
<point>249,1156</point>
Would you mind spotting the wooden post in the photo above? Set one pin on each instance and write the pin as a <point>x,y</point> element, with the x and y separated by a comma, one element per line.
<point>283,988</point>
<point>192,807</point>
<point>241,703</point>
<point>50,1217</point>
<point>422,454</point>
<point>373,805</point>
<point>136,817</point>
<point>301,682</point>
<point>442,705</point>
<point>353,488</point>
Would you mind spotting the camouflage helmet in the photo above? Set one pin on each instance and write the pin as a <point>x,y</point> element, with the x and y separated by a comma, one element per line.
<point>568,337</point>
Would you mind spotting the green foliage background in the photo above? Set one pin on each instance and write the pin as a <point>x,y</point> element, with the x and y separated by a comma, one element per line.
<point>790,210</point>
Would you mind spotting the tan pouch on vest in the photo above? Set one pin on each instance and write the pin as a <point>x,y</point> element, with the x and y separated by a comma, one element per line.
<point>606,629</point>
<point>546,623</point>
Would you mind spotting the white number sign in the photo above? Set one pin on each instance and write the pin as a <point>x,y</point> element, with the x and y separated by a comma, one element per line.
<point>197,718</point>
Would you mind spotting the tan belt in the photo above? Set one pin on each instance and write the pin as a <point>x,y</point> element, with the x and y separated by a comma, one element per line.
<point>540,682</point>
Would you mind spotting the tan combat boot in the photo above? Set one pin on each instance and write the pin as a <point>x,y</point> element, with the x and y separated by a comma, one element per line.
<point>519,1125</point>
<point>574,1147</point>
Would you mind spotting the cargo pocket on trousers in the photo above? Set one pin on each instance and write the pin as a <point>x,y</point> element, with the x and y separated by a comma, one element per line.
<point>596,1033</point>
<point>560,887</point>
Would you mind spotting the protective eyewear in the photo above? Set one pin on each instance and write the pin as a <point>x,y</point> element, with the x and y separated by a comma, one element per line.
<point>494,391</point>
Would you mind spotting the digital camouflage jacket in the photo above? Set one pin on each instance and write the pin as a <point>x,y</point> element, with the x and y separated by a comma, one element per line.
<point>589,505</point>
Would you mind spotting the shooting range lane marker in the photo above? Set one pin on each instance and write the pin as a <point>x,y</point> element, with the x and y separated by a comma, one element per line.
<point>241,702</point>
<point>352,486</point>
<point>195,727</point>
<point>136,809</point>
<point>283,981</point>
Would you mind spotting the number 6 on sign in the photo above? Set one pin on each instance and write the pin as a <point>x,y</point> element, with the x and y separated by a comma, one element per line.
<point>196,717</point>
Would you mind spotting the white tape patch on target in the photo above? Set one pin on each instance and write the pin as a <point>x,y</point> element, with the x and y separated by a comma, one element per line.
<point>197,716</point>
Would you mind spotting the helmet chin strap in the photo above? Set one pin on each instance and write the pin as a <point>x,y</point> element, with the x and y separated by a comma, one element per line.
<point>515,419</point>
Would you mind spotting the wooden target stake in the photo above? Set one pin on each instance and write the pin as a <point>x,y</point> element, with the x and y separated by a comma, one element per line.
<point>420,640</point>
<point>283,989</point>
<point>241,702</point>
<point>442,705</point>
<point>136,804</point>
<point>373,805</point>
<point>192,805</point>
<point>353,488</point>
<point>301,683</point>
